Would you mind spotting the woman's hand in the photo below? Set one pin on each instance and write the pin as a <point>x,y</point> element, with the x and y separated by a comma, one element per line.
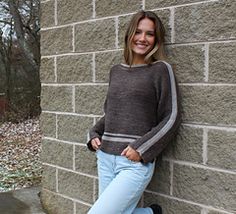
<point>131,154</point>
<point>96,143</point>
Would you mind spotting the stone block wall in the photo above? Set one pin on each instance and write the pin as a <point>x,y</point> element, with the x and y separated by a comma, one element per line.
<point>80,40</point>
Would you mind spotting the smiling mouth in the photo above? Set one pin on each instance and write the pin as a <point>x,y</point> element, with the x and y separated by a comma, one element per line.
<point>141,45</point>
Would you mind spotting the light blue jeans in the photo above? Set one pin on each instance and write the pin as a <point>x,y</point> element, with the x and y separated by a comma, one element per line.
<point>121,184</point>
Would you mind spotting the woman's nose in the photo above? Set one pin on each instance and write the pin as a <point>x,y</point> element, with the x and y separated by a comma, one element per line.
<point>142,37</point>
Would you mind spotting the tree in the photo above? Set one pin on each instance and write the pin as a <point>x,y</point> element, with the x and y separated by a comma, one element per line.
<point>20,52</point>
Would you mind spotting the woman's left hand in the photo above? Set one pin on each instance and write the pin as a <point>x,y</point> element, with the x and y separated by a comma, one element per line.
<point>131,154</point>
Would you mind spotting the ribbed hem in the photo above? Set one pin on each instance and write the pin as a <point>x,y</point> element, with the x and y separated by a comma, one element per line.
<point>114,148</point>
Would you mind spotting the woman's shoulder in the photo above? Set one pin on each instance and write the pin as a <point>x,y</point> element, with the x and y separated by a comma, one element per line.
<point>161,64</point>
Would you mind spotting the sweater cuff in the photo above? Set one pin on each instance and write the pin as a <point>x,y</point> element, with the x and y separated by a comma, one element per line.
<point>89,143</point>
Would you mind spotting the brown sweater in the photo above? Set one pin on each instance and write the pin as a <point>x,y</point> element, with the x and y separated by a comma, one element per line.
<point>141,110</point>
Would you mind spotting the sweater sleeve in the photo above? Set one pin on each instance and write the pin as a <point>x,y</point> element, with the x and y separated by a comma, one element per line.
<point>151,144</point>
<point>98,129</point>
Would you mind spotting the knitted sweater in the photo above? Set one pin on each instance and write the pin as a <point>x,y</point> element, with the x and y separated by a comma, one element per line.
<point>141,110</point>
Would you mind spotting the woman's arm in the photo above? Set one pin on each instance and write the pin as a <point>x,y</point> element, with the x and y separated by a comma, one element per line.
<point>152,143</point>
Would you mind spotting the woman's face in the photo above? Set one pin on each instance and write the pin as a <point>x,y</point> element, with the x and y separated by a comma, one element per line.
<point>143,40</point>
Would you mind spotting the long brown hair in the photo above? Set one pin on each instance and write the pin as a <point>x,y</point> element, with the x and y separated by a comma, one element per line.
<point>158,52</point>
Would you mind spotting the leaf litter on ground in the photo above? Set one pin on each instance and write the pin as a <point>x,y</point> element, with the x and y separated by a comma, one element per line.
<point>20,147</point>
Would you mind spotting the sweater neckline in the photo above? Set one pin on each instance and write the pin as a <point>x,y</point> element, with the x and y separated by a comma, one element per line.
<point>138,65</point>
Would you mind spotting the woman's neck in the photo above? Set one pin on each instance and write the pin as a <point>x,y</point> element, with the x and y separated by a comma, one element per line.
<point>138,60</point>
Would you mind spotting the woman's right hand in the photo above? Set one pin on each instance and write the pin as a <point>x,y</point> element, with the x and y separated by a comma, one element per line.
<point>96,143</point>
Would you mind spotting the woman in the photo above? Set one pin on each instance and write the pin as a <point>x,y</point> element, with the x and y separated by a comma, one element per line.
<point>141,116</point>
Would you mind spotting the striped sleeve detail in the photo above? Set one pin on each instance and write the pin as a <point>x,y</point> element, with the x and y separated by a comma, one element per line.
<point>145,146</point>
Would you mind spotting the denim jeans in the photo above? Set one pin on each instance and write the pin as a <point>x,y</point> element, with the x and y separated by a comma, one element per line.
<point>121,184</point>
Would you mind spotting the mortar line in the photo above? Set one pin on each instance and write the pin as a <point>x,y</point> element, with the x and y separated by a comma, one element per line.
<point>74,207</point>
<point>94,9</point>
<point>214,127</point>
<point>204,211</point>
<point>44,1</point>
<point>73,39</point>
<point>188,202</point>
<point>57,180</point>
<point>184,5</point>
<point>206,62</point>
<point>67,197</point>
<point>172,24</point>
<point>55,68</point>
<point>74,84</point>
<point>208,84</point>
<point>72,114</point>
<point>185,163</point>
<point>94,121</point>
<point>94,190</point>
<point>117,32</point>
<point>55,13</point>
<point>143,4</point>
<point>219,41</point>
<point>171,176</point>
<point>73,99</point>
<point>204,146</point>
<point>82,53</point>
<point>64,141</point>
<point>56,126</point>
<point>93,68</point>
<point>74,157</point>
<point>69,170</point>
<point>106,84</point>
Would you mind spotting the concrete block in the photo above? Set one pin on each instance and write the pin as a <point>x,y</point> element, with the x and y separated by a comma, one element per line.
<point>90,99</point>
<point>74,128</point>
<point>47,14</point>
<point>222,62</point>
<point>47,73</point>
<point>81,208</point>
<point>74,69</point>
<point>75,186</point>
<point>187,62</point>
<point>112,8</point>
<point>209,104</point>
<point>123,22</point>
<point>104,62</point>
<point>55,204</point>
<point>221,149</point>
<point>150,4</point>
<point>49,178</point>
<point>56,98</point>
<point>205,22</point>
<point>48,124</point>
<point>171,206</point>
<point>164,15</point>
<point>56,41</point>
<point>161,179</point>
<point>57,153</point>
<point>85,160</point>
<point>204,186</point>
<point>187,145</point>
<point>95,36</point>
<point>73,11</point>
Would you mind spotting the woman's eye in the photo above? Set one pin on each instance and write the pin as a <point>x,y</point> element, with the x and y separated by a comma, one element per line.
<point>137,32</point>
<point>150,34</point>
